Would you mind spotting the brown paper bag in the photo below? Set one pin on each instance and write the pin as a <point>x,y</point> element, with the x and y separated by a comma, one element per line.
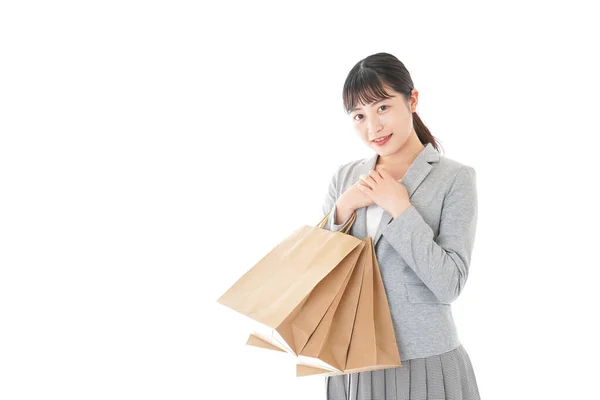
<point>254,340</point>
<point>299,326</point>
<point>359,336</point>
<point>373,342</point>
<point>328,345</point>
<point>274,291</point>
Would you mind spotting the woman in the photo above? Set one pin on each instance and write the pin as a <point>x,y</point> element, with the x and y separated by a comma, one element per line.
<point>421,209</point>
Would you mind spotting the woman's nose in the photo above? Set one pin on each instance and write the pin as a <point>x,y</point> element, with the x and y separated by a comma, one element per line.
<point>374,127</point>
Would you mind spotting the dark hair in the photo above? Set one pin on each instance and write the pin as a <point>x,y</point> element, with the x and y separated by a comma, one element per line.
<point>365,83</point>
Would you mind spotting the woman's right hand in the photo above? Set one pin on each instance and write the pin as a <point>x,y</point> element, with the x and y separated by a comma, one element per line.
<point>354,198</point>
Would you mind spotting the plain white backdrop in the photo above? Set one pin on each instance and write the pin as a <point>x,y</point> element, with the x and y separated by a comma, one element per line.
<point>152,152</point>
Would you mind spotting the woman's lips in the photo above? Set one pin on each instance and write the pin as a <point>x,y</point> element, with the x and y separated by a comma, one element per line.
<point>381,143</point>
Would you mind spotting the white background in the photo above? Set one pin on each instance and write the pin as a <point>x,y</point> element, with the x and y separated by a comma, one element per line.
<point>152,152</point>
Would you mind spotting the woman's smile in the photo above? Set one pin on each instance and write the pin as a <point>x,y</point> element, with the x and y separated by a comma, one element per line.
<point>381,142</point>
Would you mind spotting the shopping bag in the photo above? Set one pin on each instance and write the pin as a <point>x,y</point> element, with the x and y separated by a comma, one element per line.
<point>274,292</point>
<point>298,327</point>
<point>356,334</point>
<point>256,341</point>
<point>328,346</point>
<point>321,302</point>
<point>373,342</point>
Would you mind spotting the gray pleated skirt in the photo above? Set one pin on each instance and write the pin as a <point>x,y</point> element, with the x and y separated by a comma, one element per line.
<point>447,376</point>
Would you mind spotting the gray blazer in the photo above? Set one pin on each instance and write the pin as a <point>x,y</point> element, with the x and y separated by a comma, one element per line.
<point>424,254</point>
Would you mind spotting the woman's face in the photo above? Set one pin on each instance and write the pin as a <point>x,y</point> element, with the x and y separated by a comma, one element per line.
<point>386,117</point>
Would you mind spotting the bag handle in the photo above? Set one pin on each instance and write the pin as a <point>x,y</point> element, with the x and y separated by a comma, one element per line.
<point>345,228</point>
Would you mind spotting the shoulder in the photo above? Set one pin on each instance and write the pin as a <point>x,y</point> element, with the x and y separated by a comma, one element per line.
<point>344,175</point>
<point>452,168</point>
<point>348,168</point>
<point>456,175</point>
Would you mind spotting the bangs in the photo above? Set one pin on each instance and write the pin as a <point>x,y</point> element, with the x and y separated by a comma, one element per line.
<point>364,88</point>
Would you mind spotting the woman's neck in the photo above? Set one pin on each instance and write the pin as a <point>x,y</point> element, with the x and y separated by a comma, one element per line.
<point>403,158</point>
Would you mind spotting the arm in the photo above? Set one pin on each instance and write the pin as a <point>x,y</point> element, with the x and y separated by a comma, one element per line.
<point>442,265</point>
<point>332,217</point>
<point>330,205</point>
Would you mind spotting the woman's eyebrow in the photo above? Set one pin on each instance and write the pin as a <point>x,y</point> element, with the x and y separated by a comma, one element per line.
<point>375,102</point>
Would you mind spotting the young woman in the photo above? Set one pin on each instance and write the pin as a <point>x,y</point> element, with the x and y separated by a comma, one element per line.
<point>421,209</point>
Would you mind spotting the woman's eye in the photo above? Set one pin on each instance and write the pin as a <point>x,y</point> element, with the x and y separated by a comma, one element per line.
<point>361,114</point>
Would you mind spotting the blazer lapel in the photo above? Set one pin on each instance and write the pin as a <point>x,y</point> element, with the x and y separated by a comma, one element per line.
<point>415,174</point>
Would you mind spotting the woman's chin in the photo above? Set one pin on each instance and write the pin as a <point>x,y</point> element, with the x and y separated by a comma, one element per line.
<point>383,150</point>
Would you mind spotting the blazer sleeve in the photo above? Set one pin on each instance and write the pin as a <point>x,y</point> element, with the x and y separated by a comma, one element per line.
<point>329,204</point>
<point>442,264</point>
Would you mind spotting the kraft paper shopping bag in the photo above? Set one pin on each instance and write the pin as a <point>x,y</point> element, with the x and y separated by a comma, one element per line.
<point>366,336</point>
<point>298,327</point>
<point>328,345</point>
<point>274,291</point>
<point>373,342</point>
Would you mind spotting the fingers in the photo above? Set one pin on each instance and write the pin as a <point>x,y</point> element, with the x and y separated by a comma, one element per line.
<point>374,174</point>
<point>383,173</point>
<point>371,179</point>
<point>365,181</point>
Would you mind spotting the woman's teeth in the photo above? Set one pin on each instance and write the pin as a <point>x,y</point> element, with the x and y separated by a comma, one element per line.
<point>382,140</point>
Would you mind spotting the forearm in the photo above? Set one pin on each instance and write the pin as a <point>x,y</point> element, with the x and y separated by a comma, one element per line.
<point>336,206</point>
<point>343,211</point>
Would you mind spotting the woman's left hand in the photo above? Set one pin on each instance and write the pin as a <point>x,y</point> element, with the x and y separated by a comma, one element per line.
<point>385,191</point>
